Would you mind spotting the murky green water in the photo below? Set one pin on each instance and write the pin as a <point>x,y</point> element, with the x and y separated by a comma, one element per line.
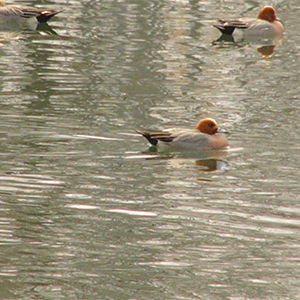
<point>88,211</point>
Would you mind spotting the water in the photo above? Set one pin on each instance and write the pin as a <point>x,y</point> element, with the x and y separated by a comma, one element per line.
<point>88,211</point>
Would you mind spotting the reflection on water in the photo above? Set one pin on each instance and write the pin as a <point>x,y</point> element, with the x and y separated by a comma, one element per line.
<point>265,46</point>
<point>209,165</point>
<point>45,28</point>
<point>17,28</point>
<point>206,161</point>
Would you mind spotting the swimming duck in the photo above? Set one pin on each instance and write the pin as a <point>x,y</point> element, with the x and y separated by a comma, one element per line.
<point>206,135</point>
<point>41,14</point>
<point>266,24</point>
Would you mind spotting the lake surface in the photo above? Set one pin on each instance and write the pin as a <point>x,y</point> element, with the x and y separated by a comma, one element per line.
<point>89,211</point>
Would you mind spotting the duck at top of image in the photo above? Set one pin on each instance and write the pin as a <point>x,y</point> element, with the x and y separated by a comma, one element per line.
<point>19,11</point>
<point>266,24</point>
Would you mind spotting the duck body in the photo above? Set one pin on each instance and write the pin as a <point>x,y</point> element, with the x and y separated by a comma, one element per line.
<point>41,14</point>
<point>198,138</point>
<point>266,24</point>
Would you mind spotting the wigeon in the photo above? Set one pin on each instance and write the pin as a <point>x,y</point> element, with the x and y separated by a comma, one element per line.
<point>206,135</point>
<point>266,24</point>
<point>41,14</point>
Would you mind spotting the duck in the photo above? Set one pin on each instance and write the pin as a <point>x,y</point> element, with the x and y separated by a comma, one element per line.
<point>206,135</point>
<point>41,14</point>
<point>266,24</point>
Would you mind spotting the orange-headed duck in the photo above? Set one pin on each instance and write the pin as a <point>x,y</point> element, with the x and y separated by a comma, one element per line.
<point>206,135</point>
<point>266,24</point>
<point>41,14</point>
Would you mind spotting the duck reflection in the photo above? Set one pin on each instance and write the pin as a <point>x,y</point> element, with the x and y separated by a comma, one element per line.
<point>18,29</point>
<point>265,46</point>
<point>210,164</point>
<point>205,161</point>
<point>45,28</point>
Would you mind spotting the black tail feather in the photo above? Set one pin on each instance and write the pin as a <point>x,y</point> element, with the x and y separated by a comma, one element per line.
<point>153,136</point>
<point>225,29</point>
<point>46,16</point>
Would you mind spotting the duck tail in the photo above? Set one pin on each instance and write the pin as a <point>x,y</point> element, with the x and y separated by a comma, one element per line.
<point>225,29</point>
<point>147,135</point>
<point>46,15</point>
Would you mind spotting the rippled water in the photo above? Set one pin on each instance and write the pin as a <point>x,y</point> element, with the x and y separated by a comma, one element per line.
<point>89,211</point>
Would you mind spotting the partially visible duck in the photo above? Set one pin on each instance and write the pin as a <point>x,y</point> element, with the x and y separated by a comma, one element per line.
<point>206,135</point>
<point>266,24</point>
<point>41,14</point>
